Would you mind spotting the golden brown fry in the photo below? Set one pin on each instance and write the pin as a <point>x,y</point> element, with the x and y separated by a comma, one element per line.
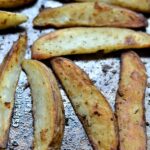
<point>9,19</point>
<point>14,3</point>
<point>48,109</point>
<point>89,104</point>
<point>9,75</point>
<point>95,14</point>
<point>87,40</point>
<point>130,103</point>
<point>137,5</point>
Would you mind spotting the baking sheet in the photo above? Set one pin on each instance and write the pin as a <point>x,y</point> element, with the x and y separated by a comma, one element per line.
<point>104,72</point>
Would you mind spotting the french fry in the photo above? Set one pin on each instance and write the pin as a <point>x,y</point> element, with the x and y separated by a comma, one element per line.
<point>48,109</point>
<point>95,14</point>
<point>9,74</point>
<point>7,4</point>
<point>90,106</point>
<point>9,19</point>
<point>87,40</point>
<point>130,103</point>
<point>131,4</point>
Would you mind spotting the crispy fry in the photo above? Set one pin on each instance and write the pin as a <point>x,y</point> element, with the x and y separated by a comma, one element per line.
<point>48,109</point>
<point>9,74</point>
<point>14,3</point>
<point>130,103</point>
<point>89,104</point>
<point>9,19</point>
<point>87,40</point>
<point>137,5</point>
<point>95,14</point>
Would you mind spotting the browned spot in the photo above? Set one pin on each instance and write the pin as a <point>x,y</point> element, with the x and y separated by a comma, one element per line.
<point>96,106</point>
<point>112,149</point>
<point>7,104</point>
<point>121,92</point>
<point>57,60</point>
<point>97,113</point>
<point>73,52</point>
<point>135,75</point>
<point>86,103</point>
<point>43,134</point>
<point>85,120</point>
<point>84,117</point>
<point>51,36</point>
<point>38,55</point>
<point>100,7</point>
<point>129,40</point>
<point>111,119</point>
<point>4,22</point>
<point>87,81</point>
<point>136,111</point>
<point>132,17</point>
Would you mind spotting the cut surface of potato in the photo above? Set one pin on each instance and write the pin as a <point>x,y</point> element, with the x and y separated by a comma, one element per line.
<point>137,5</point>
<point>14,3</point>
<point>87,40</point>
<point>130,103</point>
<point>9,74</point>
<point>9,19</point>
<point>90,106</point>
<point>48,109</point>
<point>95,14</point>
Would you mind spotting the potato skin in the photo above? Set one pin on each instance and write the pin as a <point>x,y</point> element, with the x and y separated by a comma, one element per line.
<point>7,4</point>
<point>90,106</point>
<point>87,40</point>
<point>48,111</point>
<point>130,103</point>
<point>9,19</point>
<point>95,14</point>
<point>130,4</point>
<point>9,74</point>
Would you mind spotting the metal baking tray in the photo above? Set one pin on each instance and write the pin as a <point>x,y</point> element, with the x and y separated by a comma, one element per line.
<point>104,72</point>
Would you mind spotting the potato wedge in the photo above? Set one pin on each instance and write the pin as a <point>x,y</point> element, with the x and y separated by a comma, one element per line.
<point>9,19</point>
<point>137,5</point>
<point>48,109</point>
<point>130,103</point>
<point>14,3</point>
<point>87,40</point>
<point>95,14</point>
<point>89,104</point>
<point>9,75</point>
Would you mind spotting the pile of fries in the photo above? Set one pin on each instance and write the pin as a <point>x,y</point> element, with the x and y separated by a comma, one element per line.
<point>88,27</point>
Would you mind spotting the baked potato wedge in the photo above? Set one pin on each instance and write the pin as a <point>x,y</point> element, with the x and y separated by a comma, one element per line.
<point>136,5</point>
<point>7,4</point>
<point>48,111</point>
<point>130,103</point>
<point>90,106</point>
<point>87,40</point>
<point>9,74</point>
<point>9,19</point>
<point>95,14</point>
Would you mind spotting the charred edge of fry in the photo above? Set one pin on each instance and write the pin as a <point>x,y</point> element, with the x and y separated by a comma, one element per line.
<point>60,121</point>
<point>37,55</point>
<point>13,49</point>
